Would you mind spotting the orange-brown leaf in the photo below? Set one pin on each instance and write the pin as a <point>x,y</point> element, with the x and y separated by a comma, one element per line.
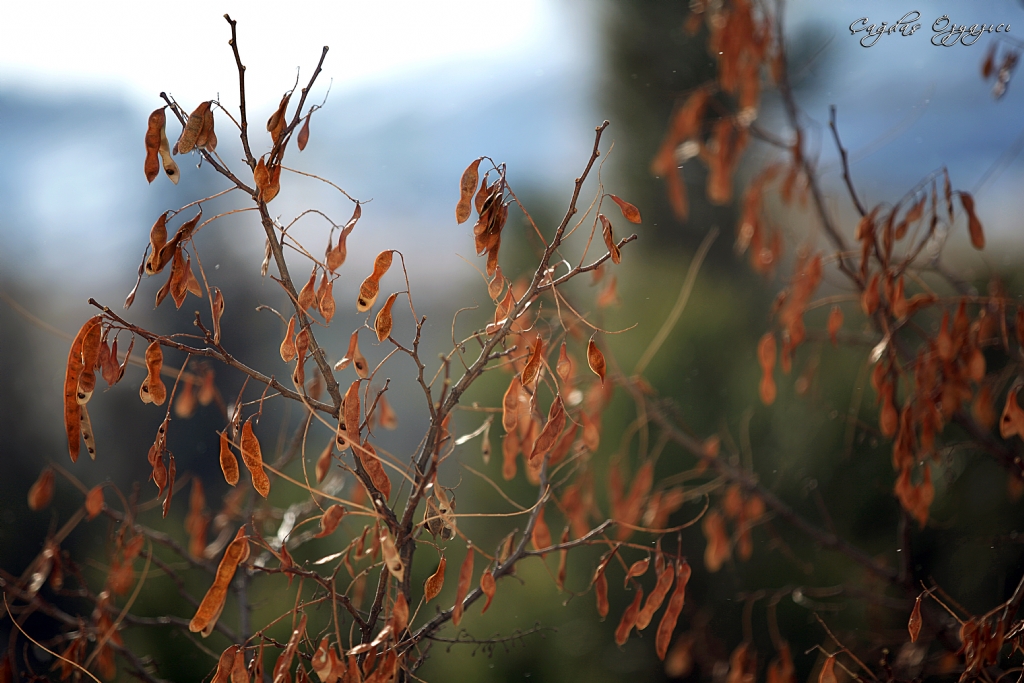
<point>72,408</point>
<point>629,212</point>
<point>253,459</point>
<point>435,582</point>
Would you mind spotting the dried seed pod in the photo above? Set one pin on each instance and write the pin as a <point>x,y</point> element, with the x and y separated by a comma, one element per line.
<point>462,589</point>
<point>193,127</point>
<point>466,187</point>
<point>40,494</point>
<point>213,602</point>
<point>153,389</point>
<point>374,469</point>
<point>609,238</point>
<point>435,582</point>
<point>595,359</point>
<point>382,324</point>
<point>288,351</point>
<point>154,131</point>
<point>973,224</point>
<point>329,520</point>
<point>628,620</point>
<point>675,606</point>
<point>303,138</point>
<point>253,459</point>
<point>94,502</point>
<point>391,558</point>
<point>914,625</point>
<point>532,368</point>
<point>629,212</point>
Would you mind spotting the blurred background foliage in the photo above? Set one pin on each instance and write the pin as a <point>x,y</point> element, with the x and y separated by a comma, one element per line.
<point>75,217</point>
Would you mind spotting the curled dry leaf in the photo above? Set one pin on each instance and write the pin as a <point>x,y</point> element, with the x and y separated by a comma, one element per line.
<point>382,324</point>
<point>488,587</point>
<point>253,459</point>
<point>329,520</point>
<point>435,582</point>
<point>914,625</point>
<point>228,463</point>
<point>595,359</point>
<point>973,224</point>
<point>628,620</point>
<point>609,238</point>
<point>41,492</point>
<point>629,212</point>
<point>462,589</point>
<point>467,185</point>
<point>391,558</point>
<point>213,602</point>
<point>94,502</point>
